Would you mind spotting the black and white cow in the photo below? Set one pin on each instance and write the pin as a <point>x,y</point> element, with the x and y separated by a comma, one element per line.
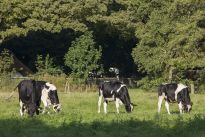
<point>48,95</point>
<point>27,97</point>
<point>114,91</point>
<point>173,92</point>
<point>32,92</point>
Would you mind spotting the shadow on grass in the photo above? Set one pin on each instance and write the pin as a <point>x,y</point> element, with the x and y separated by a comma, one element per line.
<point>131,128</point>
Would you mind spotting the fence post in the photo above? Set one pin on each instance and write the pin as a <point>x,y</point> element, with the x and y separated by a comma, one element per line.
<point>192,87</point>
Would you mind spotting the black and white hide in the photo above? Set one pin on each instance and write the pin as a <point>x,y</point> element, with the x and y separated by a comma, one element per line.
<point>27,97</point>
<point>114,91</point>
<point>32,92</point>
<point>48,95</point>
<point>174,92</point>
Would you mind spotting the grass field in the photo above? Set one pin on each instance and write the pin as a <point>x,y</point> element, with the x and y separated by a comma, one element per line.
<point>79,118</point>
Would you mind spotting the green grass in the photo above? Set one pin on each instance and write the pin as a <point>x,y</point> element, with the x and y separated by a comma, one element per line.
<point>79,118</point>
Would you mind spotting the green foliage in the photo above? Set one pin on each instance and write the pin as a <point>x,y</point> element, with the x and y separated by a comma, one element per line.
<point>167,33</point>
<point>83,56</point>
<point>148,83</point>
<point>170,38</point>
<point>46,66</point>
<point>19,17</point>
<point>6,62</point>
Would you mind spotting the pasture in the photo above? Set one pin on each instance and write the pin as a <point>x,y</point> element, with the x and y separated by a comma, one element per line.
<point>79,118</point>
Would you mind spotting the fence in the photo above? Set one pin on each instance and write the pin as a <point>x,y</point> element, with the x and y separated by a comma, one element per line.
<point>130,82</point>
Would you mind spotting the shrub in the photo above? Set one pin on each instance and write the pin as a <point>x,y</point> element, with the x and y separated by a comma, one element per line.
<point>83,56</point>
<point>6,62</point>
<point>46,66</point>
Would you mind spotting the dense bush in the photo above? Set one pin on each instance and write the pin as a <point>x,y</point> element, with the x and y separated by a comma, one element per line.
<point>46,66</point>
<point>83,56</point>
<point>6,62</point>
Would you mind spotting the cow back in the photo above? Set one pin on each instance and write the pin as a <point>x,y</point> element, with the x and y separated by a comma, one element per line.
<point>168,90</point>
<point>109,88</point>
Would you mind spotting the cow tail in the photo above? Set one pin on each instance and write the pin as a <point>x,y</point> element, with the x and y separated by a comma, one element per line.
<point>34,92</point>
<point>12,93</point>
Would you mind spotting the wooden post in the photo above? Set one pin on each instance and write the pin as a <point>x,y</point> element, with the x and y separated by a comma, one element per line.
<point>65,89</point>
<point>171,73</point>
<point>192,87</point>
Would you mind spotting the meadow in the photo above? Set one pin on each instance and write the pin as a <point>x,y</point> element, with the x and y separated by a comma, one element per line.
<point>79,118</point>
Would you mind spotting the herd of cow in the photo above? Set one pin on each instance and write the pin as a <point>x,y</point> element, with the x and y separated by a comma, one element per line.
<point>32,93</point>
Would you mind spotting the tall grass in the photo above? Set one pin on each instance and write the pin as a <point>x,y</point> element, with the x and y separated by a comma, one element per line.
<point>62,82</point>
<point>79,118</point>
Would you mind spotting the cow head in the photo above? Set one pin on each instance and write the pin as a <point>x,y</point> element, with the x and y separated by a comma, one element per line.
<point>187,104</point>
<point>31,109</point>
<point>125,98</point>
<point>129,108</point>
<point>53,97</point>
<point>188,107</point>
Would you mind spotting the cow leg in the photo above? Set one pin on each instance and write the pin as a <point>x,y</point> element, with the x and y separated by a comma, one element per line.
<point>180,107</point>
<point>105,107</point>
<point>37,107</point>
<point>160,99</point>
<point>45,103</point>
<point>176,96</point>
<point>45,109</point>
<point>167,106</point>
<point>99,101</point>
<point>21,108</point>
<point>117,104</point>
<point>45,100</point>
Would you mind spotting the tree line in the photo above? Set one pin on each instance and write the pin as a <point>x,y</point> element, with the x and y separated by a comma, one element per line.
<point>156,40</point>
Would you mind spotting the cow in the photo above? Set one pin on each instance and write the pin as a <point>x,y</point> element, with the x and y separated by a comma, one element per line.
<point>114,91</point>
<point>27,97</point>
<point>32,92</point>
<point>173,92</point>
<point>47,93</point>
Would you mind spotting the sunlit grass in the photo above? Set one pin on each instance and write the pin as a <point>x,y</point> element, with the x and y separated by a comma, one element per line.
<point>79,117</point>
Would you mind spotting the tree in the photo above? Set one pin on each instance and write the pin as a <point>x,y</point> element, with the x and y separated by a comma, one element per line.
<point>19,17</point>
<point>169,40</point>
<point>46,66</point>
<point>6,62</point>
<point>83,56</point>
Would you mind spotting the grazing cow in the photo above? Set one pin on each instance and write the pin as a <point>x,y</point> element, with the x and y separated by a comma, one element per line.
<point>32,92</point>
<point>27,97</point>
<point>174,93</point>
<point>114,91</point>
<point>47,93</point>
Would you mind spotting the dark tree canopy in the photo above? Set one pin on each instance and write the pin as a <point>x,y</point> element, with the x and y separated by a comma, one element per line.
<point>141,37</point>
